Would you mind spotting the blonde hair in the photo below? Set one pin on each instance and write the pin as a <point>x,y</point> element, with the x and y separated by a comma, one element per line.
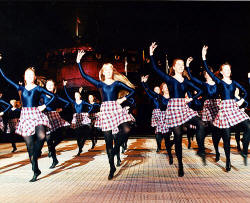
<point>15,103</point>
<point>117,77</point>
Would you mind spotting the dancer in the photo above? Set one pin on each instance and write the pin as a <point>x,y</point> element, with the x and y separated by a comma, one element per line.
<point>56,132</point>
<point>210,106</point>
<point>112,117</point>
<point>5,106</point>
<point>81,122</point>
<point>32,124</point>
<point>229,114</point>
<point>178,112</point>
<point>159,115</point>
<point>93,113</point>
<point>13,119</point>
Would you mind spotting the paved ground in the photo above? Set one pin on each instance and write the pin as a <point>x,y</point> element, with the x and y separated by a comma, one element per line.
<point>144,176</point>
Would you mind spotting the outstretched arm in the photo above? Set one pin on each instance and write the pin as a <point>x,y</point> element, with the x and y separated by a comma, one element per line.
<point>84,75</point>
<point>66,92</point>
<point>8,106</point>
<point>8,80</point>
<point>163,75</point>
<point>210,73</point>
<point>50,94</point>
<point>249,78</point>
<point>241,89</point>
<point>63,100</point>
<point>194,79</point>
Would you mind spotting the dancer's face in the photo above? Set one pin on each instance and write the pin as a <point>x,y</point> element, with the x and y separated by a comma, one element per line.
<point>179,66</point>
<point>157,90</point>
<point>13,102</point>
<point>107,72</point>
<point>91,98</point>
<point>226,71</point>
<point>77,96</point>
<point>207,76</point>
<point>29,76</point>
<point>50,86</point>
<point>165,89</point>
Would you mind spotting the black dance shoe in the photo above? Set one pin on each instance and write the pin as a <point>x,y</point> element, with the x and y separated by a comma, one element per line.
<point>14,149</point>
<point>181,172</point>
<point>49,154</point>
<point>35,176</point>
<point>111,173</point>
<point>79,152</point>
<point>228,166</point>
<point>203,157</point>
<point>244,158</point>
<point>118,162</point>
<point>217,158</point>
<point>53,165</point>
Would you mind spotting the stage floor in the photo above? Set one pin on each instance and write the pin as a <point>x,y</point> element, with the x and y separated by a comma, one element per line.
<point>144,176</point>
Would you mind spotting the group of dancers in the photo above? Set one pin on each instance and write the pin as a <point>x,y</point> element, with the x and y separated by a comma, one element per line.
<point>174,109</point>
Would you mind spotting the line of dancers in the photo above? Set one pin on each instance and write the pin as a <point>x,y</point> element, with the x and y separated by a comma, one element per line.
<point>175,108</point>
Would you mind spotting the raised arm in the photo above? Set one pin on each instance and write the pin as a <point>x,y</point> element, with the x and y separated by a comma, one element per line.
<point>163,75</point>
<point>199,91</point>
<point>9,81</point>
<point>84,75</point>
<point>210,73</point>
<point>249,78</point>
<point>194,79</point>
<point>8,106</point>
<point>66,92</point>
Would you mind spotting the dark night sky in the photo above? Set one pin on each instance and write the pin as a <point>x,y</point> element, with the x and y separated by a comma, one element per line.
<point>29,29</point>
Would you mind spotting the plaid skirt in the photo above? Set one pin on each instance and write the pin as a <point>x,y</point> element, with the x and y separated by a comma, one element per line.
<point>210,109</point>
<point>111,116</point>
<point>55,121</point>
<point>80,119</point>
<point>1,124</point>
<point>178,112</point>
<point>12,125</point>
<point>29,119</point>
<point>162,126</point>
<point>229,114</point>
<point>155,117</point>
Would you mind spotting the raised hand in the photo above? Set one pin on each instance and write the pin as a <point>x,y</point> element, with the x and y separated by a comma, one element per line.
<point>248,75</point>
<point>65,82</point>
<point>204,52</point>
<point>80,54</point>
<point>189,60</point>
<point>152,48</point>
<point>80,89</point>
<point>142,78</point>
<point>146,78</point>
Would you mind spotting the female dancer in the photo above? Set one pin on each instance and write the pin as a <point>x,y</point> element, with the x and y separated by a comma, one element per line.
<point>159,115</point>
<point>93,115</point>
<point>178,112</point>
<point>57,123</point>
<point>32,124</point>
<point>210,106</point>
<point>13,119</point>
<point>81,121</point>
<point>112,117</point>
<point>229,114</point>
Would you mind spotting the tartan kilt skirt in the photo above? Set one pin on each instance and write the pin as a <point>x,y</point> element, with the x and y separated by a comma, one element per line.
<point>80,119</point>
<point>111,115</point>
<point>229,114</point>
<point>29,119</point>
<point>178,112</point>
<point>210,109</point>
<point>162,126</point>
<point>55,121</point>
<point>155,117</point>
<point>12,125</point>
